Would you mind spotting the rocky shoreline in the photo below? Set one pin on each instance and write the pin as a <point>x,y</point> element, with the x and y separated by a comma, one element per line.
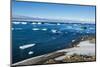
<point>72,58</point>
<point>75,57</point>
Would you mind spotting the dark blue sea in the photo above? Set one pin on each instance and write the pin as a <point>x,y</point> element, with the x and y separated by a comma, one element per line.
<point>31,39</point>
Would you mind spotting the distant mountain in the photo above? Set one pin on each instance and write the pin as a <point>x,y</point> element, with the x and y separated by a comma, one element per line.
<point>26,18</point>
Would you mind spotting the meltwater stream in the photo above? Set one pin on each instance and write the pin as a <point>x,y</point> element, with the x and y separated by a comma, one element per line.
<point>34,39</point>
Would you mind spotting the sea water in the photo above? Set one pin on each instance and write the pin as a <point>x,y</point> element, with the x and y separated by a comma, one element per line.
<point>31,39</point>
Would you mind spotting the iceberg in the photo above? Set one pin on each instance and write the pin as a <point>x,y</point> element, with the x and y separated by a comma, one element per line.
<point>39,23</point>
<point>33,23</point>
<point>26,46</point>
<point>44,29</point>
<point>12,28</point>
<point>16,22</point>
<point>35,29</point>
<point>54,31</point>
<point>30,52</point>
<point>24,23</point>
<point>58,23</point>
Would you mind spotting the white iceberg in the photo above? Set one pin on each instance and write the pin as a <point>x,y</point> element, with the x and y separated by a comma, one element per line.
<point>35,29</point>
<point>26,46</point>
<point>39,23</point>
<point>23,22</point>
<point>54,31</point>
<point>33,23</point>
<point>12,28</point>
<point>16,22</point>
<point>58,23</point>
<point>44,29</point>
<point>30,52</point>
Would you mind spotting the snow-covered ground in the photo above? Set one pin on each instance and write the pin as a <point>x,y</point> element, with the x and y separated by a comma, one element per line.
<point>84,48</point>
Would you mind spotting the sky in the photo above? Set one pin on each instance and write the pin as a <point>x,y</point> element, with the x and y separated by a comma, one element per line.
<point>54,11</point>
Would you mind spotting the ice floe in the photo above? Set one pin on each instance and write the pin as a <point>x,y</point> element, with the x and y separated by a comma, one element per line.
<point>35,29</point>
<point>54,31</point>
<point>16,22</point>
<point>91,28</point>
<point>87,32</point>
<point>58,23</point>
<point>73,40</point>
<point>44,29</point>
<point>12,28</point>
<point>75,24</point>
<point>39,23</point>
<point>33,23</point>
<point>30,52</point>
<point>16,28</point>
<point>26,46</point>
<point>23,23</point>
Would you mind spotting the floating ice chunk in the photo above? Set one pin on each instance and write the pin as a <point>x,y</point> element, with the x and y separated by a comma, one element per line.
<point>35,29</point>
<point>54,31</point>
<point>58,23</point>
<point>26,46</point>
<point>16,22</point>
<point>44,29</point>
<point>73,40</point>
<point>12,28</point>
<point>79,29</point>
<point>48,24</point>
<point>75,24</point>
<point>39,23</point>
<point>23,22</point>
<point>87,32</point>
<point>92,28</point>
<point>30,52</point>
<point>33,23</point>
